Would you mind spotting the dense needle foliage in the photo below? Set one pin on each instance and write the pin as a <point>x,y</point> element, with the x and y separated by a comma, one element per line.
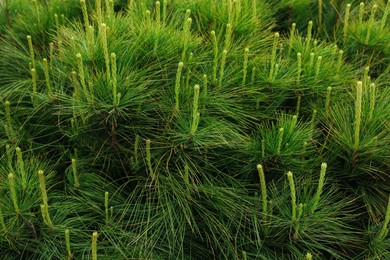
<point>194,129</point>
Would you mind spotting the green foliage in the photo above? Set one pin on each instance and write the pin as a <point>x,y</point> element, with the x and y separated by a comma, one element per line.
<point>194,129</point>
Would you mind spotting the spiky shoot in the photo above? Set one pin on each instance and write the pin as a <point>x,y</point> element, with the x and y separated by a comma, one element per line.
<point>81,73</point>
<point>106,206</point>
<point>222,69</point>
<point>228,36</point>
<point>205,85</point>
<point>177,85</point>
<point>21,167</point>
<point>75,174</point>
<point>280,140</point>
<point>186,37</point>
<point>43,214</point>
<point>263,188</point>
<point>291,38</point>
<point>94,245</point>
<point>31,50</point>
<point>98,7</point>
<point>47,76</point>
<point>320,187</point>
<point>346,18</point>
<point>158,9</point>
<point>12,191</point>
<point>34,83</point>
<point>319,14</point>
<point>254,10</point>
<point>253,76</point>
<point>85,14</point>
<point>311,62</point>
<point>67,243</point>
<point>309,34</point>
<point>299,58</point>
<point>195,112</point>
<point>358,113</point>
<point>361,13</point>
<point>293,196</point>
<point>309,256</point>
<point>42,186</point>
<point>215,62</point>
<point>273,55</point>
<point>318,67</point>
<point>164,12</point>
<point>86,23</point>
<point>114,80</point>
<point>56,21</point>
<point>103,34</point>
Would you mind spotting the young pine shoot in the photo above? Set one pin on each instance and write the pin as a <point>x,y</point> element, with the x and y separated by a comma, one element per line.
<point>177,85</point>
<point>215,61</point>
<point>67,243</point>
<point>293,196</point>
<point>103,34</point>
<point>318,67</point>
<point>222,69</point>
<point>263,188</point>
<point>106,206</point>
<point>75,174</point>
<point>358,114</point>
<point>273,55</point>
<point>47,76</point>
<point>42,186</point>
<point>31,50</point>
<point>320,187</point>
<point>195,112</point>
<point>299,58</point>
<point>12,191</point>
<point>21,167</point>
<point>114,80</point>
<point>280,140</point>
<point>94,245</point>
<point>346,18</point>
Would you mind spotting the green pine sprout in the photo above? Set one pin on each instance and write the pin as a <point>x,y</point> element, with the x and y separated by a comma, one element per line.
<point>346,21</point>
<point>320,187</point>
<point>67,242</point>
<point>22,169</point>
<point>12,190</point>
<point>263,188</point>
<point>94,245</point>
<point>293,197</point>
